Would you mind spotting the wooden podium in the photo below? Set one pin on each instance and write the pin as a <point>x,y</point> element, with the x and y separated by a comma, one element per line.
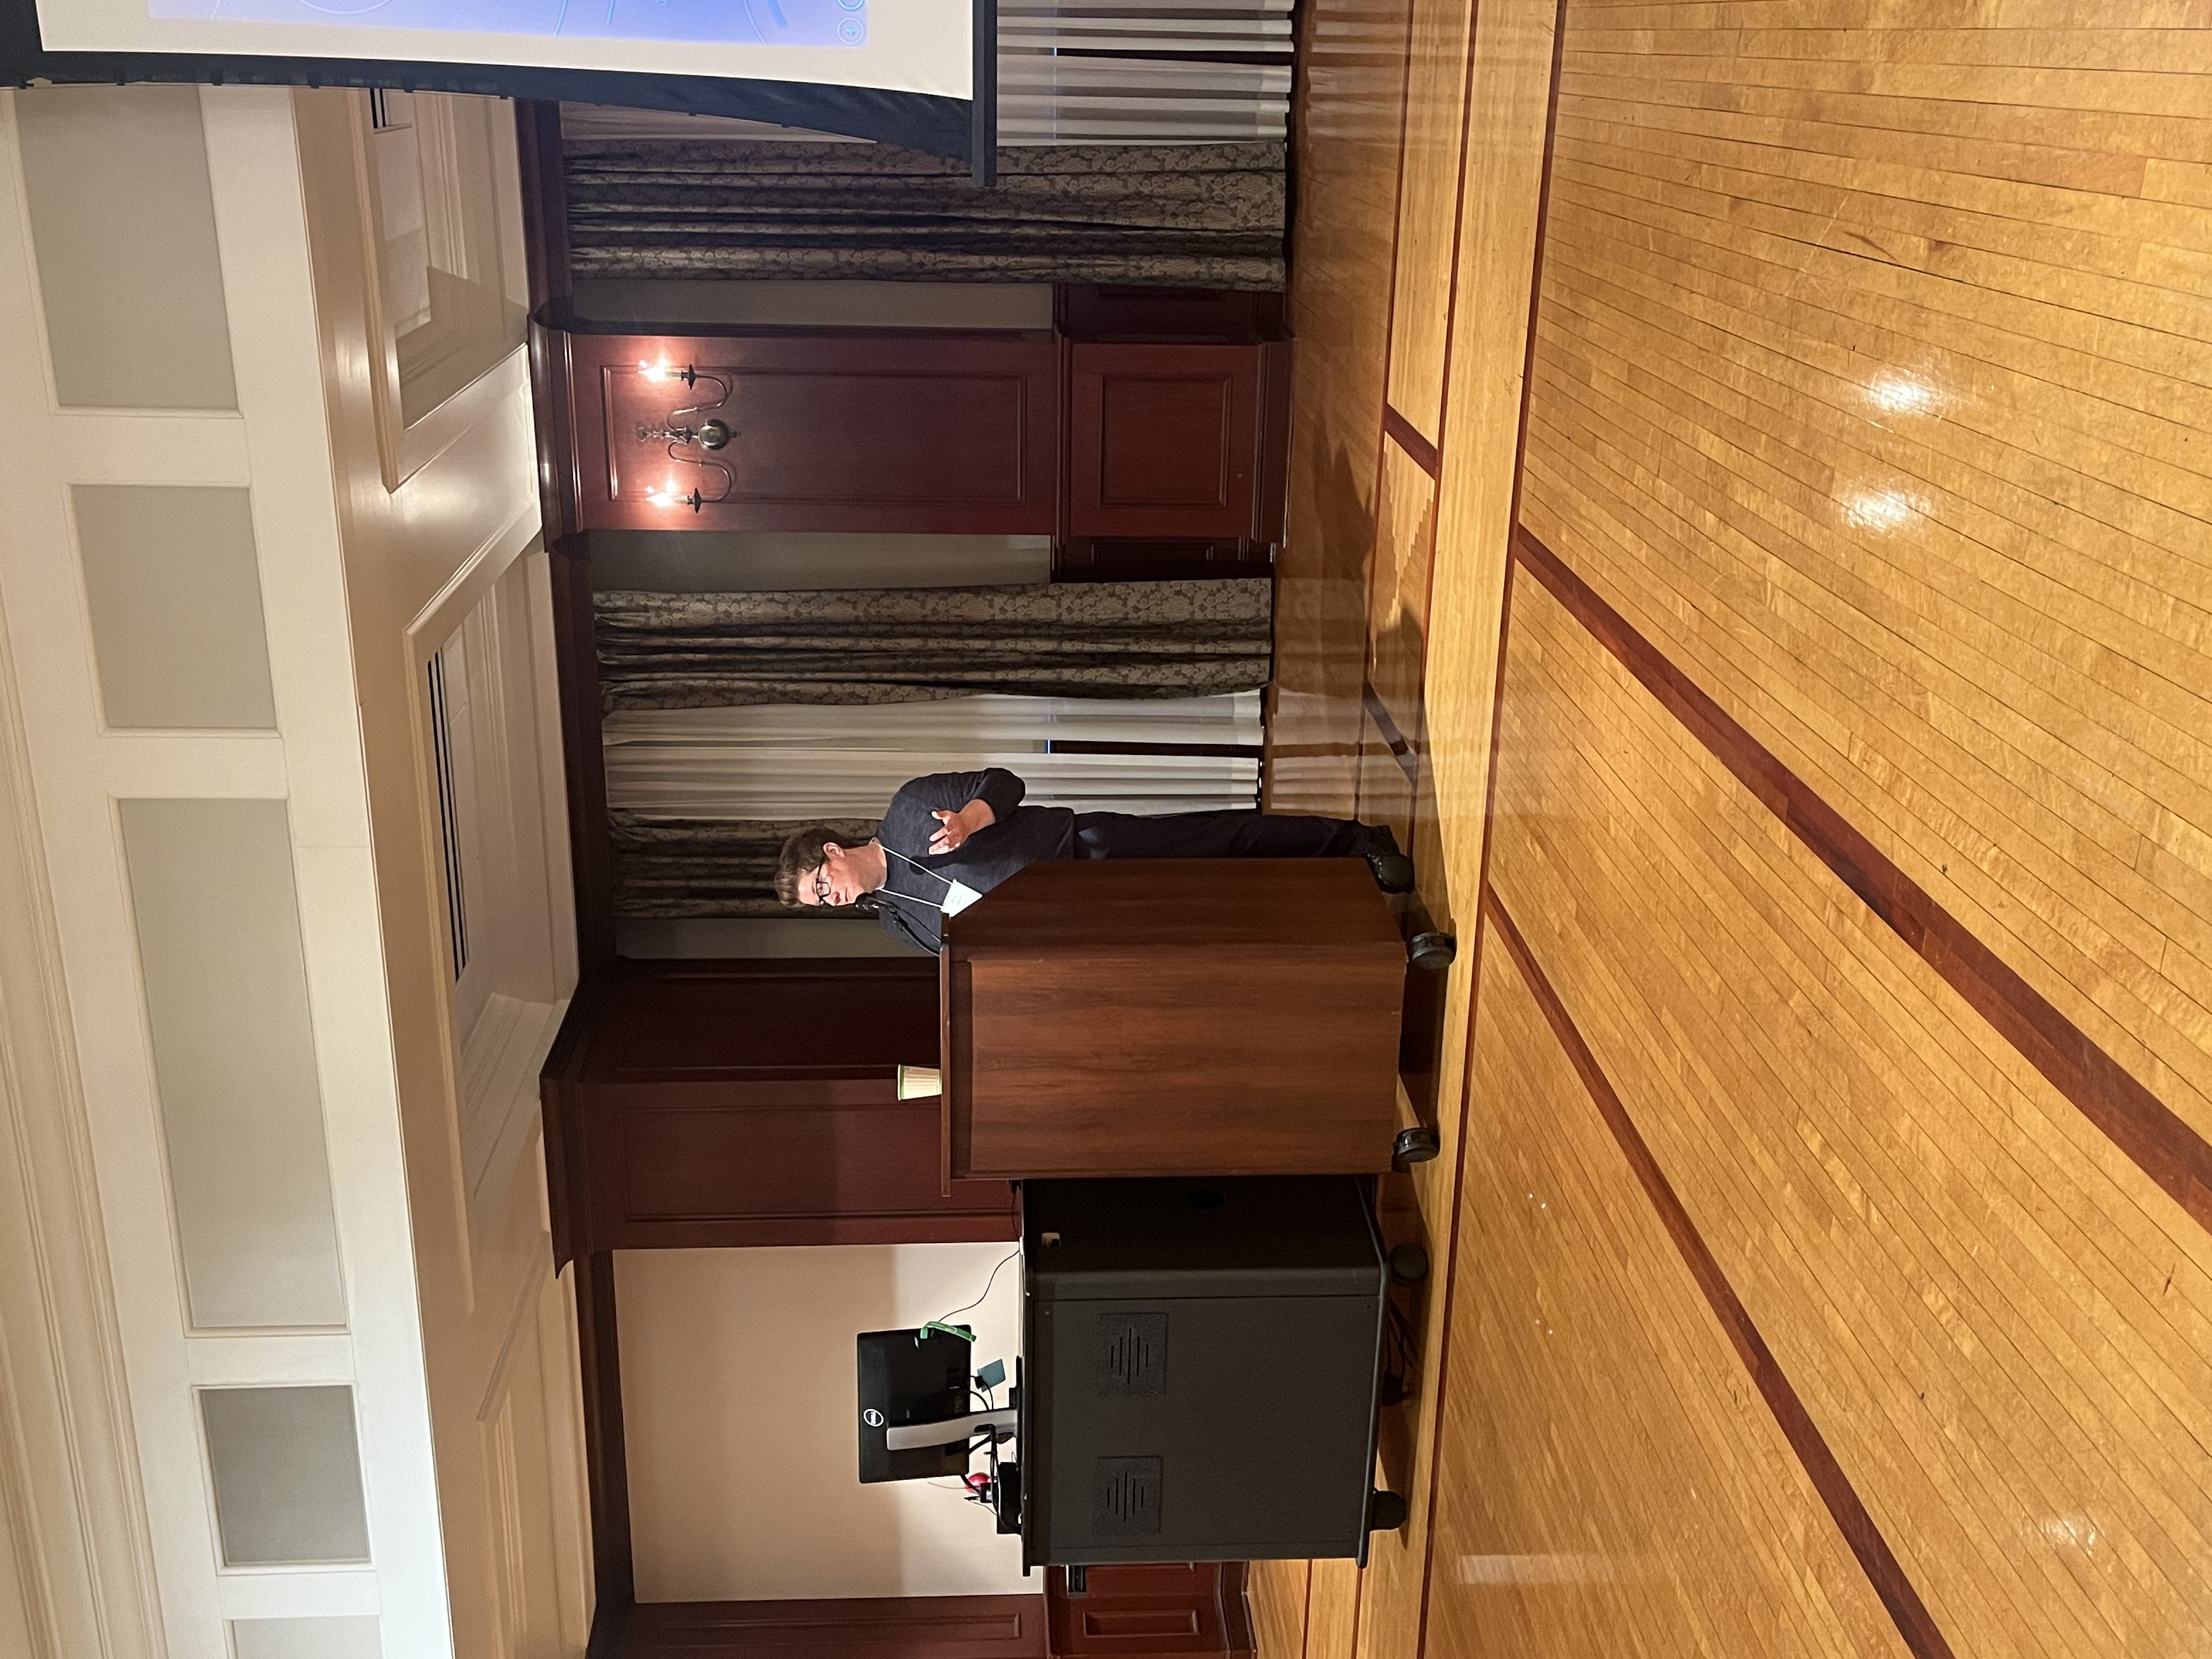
<point>1158,1017</point>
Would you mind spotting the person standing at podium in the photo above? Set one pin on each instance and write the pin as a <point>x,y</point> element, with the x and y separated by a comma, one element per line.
<point>949,838</point>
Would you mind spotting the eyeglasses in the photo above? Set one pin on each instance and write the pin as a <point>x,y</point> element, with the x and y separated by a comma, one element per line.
<point>822,894</point>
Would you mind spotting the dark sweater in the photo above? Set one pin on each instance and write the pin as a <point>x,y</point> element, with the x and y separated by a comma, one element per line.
<point>1019,836</point>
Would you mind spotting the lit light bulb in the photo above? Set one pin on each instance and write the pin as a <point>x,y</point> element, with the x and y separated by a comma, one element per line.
<point>653,371</point>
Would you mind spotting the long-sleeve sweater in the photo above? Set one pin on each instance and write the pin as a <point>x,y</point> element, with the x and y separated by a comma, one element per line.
<point>1018,837</point>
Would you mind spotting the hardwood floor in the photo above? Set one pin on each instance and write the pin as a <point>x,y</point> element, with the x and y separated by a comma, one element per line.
<point>1750,475</point>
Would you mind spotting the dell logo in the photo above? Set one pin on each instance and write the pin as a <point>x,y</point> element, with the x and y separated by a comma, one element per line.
<point>872,1418</point>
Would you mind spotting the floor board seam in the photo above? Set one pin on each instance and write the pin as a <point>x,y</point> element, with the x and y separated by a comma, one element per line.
<point>2155,1138</point>
<point>1915,1624</point>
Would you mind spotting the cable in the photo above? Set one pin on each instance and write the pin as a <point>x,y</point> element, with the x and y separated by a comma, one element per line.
<point>966,1493</point>
<point>981,1299</point>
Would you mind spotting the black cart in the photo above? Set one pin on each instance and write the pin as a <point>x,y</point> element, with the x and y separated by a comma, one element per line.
<point>1201,1361</point>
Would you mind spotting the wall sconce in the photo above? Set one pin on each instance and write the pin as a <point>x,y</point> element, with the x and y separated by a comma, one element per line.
<point>681,436</point>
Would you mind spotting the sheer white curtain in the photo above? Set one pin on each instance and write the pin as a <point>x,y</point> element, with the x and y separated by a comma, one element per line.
<point>1142,71</point>
<point>779,761</point>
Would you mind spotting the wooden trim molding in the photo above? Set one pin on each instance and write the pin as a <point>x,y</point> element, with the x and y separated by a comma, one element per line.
<point>479,334</point>
<point>591,845</point>
<point>1444,1289</point>
<point>1400,751</point>
<point>68,1468</point>
<point>606,1457</point>
<point>1418,450</point>
<point>545,176</point>
<point>1178,316</point>
<point>860,1627</point>
<point>1914,1622</point>
<point>2155,1138</point>
<point>1136,559</point>
<point>545,266</point>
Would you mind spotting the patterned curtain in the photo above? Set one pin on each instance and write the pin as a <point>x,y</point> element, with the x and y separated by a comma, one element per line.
<point>1181,216</point>
<point>710,867</point>
<point>890,644</point>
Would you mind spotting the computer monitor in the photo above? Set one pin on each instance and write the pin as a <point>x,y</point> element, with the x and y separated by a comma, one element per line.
<point>910,1377</point>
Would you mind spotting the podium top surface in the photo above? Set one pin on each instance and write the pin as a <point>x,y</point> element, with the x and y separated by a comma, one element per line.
<point>1108,904</point>
<point>1286,1235</point>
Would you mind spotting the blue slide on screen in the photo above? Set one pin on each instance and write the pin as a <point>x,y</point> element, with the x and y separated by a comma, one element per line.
<point>744,22</point>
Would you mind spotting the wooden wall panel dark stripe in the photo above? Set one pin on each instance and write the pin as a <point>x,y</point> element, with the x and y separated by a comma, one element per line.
<point>2159,1141</point>
<point>1914,1623</point>
<point>1402,750</point>
<point>1401,432</point>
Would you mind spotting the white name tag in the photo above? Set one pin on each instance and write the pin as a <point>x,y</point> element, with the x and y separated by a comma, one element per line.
<point>958,896</point>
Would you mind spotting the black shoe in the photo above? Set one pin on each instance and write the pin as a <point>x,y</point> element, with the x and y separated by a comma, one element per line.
<point>1393,869</point>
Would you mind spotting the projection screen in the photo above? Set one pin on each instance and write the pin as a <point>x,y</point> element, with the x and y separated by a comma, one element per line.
<point>903,71</point>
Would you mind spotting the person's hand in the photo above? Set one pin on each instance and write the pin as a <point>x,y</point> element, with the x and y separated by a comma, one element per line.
<point>953,828</point>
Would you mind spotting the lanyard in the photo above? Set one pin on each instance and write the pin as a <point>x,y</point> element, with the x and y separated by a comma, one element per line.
<point>958,895</point>
<point>934,875</point>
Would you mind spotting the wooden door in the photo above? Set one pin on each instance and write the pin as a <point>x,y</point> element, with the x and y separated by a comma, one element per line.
<point>944,431</point>
<point>1164,441</point>
<point>1165,1612</point>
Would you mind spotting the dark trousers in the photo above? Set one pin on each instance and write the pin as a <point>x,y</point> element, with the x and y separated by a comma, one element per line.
<point>1217,836</point>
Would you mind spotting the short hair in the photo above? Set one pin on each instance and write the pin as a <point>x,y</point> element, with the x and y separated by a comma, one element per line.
<point>802,856</point>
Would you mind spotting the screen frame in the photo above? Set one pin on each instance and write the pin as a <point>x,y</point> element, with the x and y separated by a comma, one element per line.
<point>962,130</point>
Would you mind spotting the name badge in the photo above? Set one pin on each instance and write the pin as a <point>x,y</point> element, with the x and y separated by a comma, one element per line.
<point>958,896</point>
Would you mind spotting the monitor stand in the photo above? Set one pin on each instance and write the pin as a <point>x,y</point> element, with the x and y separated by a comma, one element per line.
<point>952,1430</point>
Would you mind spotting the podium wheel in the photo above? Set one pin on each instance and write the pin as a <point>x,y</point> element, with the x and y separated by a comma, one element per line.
<point>1387,1511</point>
<point>1409,1263</point>
<point>1416,1146</point>
<point>1432,951</point>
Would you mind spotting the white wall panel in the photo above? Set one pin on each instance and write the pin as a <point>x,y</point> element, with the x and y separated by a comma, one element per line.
<point>174,592</point>
<point>217,918</point>
<point>306,1638</point>
<point>285,1464</point>
<point>124,223</point>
